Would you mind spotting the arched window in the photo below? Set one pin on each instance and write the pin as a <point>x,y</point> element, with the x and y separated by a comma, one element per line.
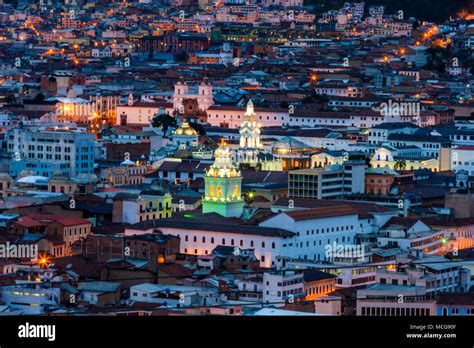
<point>236,191</point>
<point>211,191</point>
<point>219,191</point>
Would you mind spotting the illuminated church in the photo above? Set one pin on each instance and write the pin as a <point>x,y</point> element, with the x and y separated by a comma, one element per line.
<point>250,145</point>
<point>250,149</point>
<point>223,186</point>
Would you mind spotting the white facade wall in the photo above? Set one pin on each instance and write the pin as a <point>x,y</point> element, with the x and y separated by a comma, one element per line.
<point>266,248</point>
<point>279,288</point>
<point>327,143</point>
<point>139,114</point>
<point>307,121</point>
<point>234,118</point>
<point>315,234</point>
<point>462,160</point>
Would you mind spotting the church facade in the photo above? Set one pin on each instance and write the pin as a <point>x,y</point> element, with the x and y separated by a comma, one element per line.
<point>223,186</point>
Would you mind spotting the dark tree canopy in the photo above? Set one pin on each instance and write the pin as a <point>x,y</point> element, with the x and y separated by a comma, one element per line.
<point>163,121</point>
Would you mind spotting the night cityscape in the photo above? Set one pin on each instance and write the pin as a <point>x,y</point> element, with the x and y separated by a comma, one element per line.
<point>236,158</point>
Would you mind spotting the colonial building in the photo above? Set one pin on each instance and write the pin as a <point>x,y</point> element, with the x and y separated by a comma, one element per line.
<point>188,101</point>
<point>133,207</point>
<point>185,136</point>
<point>250,145</point>
<point>223,186</point>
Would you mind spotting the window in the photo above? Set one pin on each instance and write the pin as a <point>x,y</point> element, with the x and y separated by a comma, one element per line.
<point>236,191</point>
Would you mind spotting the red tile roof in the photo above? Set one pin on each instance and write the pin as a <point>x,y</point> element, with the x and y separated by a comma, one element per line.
<point>322,212</point>
<point>26,221</point>
<point>61,219</point>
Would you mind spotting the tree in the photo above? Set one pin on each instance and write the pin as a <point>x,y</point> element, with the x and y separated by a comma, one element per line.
<point>198,128</point>
<point>163,121</point>
<point>400,164</point>
<point>249,197</point>
<point>39,98</point>
<point>284,105</point>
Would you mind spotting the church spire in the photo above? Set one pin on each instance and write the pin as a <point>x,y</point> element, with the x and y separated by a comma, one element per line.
<point>250,113</point>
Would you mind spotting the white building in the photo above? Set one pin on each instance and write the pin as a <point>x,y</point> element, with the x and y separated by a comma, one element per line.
<point>202,233</point>
<point>250,144</point>
<point>331,181</point>
<point>339,91</point>
<point>140,112</point>
<point>50,150</point>
<point>76,110</point>
<point>411,235</point>
<point>315,229</point>
<point>174,295</point>
<point>282,287</point>
<point>462,158</point>
<point>203,97</point>
<point>232,117</point>
<point>30,299</point>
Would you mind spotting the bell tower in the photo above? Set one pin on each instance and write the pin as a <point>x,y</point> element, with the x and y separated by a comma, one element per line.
<point>223,186</point>
<point>249,137</point>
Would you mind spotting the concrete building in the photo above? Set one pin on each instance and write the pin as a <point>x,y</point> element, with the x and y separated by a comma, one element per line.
<point>51,150</point>
<point>281,287</point>
<point>330,182</point>
<point>30,299</point>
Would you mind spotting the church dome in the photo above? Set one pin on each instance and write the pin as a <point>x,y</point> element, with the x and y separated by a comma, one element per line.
<point>185,129</point>
<point>289,145</point>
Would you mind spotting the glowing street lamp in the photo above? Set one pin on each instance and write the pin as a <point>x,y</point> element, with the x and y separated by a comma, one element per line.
<point>43,261</point>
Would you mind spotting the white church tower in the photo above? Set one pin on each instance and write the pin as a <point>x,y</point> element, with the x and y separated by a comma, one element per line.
<point>250,144</point>
<point>183,92</point>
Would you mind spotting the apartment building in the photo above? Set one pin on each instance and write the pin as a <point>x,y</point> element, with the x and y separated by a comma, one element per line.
<point>51,150</point>
<point>330,182</point>
<point>281,287</point>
